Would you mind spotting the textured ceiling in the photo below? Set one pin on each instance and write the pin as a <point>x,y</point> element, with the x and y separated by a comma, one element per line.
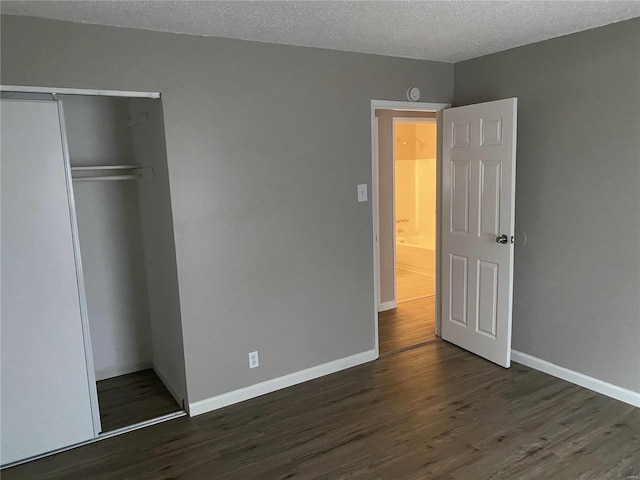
<point>448,31</point>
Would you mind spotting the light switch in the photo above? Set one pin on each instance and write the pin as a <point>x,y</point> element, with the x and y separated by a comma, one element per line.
<point>362,192</point>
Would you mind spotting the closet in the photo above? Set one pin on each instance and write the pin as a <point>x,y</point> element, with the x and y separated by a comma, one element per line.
<point>90,321</point>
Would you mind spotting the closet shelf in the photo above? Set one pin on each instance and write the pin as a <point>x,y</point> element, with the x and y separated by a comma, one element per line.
<point>91,168</point>
<point>99,175</point>
<point>105,177</point>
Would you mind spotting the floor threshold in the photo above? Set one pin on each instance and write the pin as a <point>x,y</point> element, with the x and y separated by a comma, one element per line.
<point>410,347</point>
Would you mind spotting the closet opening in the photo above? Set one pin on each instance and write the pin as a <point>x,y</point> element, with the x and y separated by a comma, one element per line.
<point>120,189</point>
<point>91,325</point>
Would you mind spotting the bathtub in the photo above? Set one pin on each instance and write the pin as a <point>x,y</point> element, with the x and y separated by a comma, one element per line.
<point>416,255</point>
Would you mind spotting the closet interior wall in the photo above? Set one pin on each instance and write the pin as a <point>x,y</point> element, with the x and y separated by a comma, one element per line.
<point>109,228</point>
<point>146,123</point>
<point>126,238</point>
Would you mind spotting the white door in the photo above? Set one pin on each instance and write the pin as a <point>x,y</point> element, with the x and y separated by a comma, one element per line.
<point>45,402</point>
<point>478,211</point>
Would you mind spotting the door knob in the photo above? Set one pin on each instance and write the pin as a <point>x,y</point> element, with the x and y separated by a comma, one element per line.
<point>502,239</point>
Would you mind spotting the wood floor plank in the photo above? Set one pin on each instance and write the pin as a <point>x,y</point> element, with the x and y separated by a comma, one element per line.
<point>409,324</point>
<point>133,398</point>
<point>412,285</point>
<point>434,412</point>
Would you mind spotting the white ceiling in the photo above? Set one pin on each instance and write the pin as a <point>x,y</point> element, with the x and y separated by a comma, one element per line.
<point>448,31</point>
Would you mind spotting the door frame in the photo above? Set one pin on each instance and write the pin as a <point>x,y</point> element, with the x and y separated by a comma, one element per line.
<point>375,211</point>
<point>77,91</point>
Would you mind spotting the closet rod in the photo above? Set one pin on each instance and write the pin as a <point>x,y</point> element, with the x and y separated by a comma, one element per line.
<point>106,177</point>
<point>105,167</point>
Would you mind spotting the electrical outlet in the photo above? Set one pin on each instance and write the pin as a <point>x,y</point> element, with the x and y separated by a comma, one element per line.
<point>254,362</point>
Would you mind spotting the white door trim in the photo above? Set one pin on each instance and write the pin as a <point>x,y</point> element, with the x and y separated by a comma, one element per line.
<point>408,106</point>
<point>77,91</point>
<point>401,106</point>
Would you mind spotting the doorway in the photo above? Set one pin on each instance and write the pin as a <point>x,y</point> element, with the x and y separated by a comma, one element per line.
<point>406,218</point>
<point>116,153</point>
<point>475,217</point>
<point>414,160</point>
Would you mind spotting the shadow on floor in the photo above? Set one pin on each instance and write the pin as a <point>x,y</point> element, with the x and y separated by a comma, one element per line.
<point>411,323</point>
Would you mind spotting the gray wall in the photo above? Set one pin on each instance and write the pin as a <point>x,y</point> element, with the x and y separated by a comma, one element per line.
<point>265,145</point>
<point>110,238</point>
<point>577,279</point>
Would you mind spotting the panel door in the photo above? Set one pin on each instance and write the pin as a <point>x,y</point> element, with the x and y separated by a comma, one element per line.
<point>45,402</point>
<point>478,213</point>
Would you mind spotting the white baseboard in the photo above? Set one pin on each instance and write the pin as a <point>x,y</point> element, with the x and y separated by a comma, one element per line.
<point>384,306</point>
<point>252,391</point>
<point>111,372</point>
<point>172,390</point>
<point>608,389</point>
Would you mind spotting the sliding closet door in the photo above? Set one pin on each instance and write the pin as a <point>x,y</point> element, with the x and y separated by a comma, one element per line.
<point>45,402</point>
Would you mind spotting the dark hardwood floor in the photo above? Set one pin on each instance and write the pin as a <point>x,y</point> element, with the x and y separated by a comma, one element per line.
<point>434,412</point>
<point>133,398</point>
<point>409,324</point>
